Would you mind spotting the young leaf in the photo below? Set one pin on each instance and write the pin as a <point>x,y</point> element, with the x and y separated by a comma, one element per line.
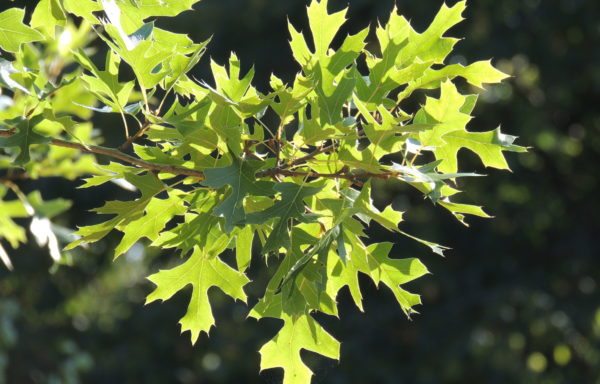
<point>24,138</point>
<point>449,132</point>
<point>13,33</point>
<point>202,271</point>
<point>141,211</point>
<point>487,145</point>
<point>431,45</point>
<point>444,114</point>
<point>9,230</point>
<point>105,84</point>
<point>240,176</point>
<point>292,167</point>
<point>156,215</point>
<point>84,9</point>
<point>7,69</point>
<point>393,272</point>
<point>477,74</point>
<point>290,206</point>
<point>324,26</point>
<point>135,12</point>
<point>460,210</point>
<point>299,332</point>
<point>47,15</point>
<point>243,247</point>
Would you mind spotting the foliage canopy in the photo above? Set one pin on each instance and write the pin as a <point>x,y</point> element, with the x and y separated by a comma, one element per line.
<point>221,167</point>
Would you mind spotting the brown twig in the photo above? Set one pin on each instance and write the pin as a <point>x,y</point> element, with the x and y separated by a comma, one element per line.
<point>353,177</point>
<point>272,172</point>
<point>11,176</point>
<point>133,138</point>
<point>304,159</point>
<point>116,154</point>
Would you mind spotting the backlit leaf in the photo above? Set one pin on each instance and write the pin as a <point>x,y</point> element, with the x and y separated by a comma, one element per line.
<point>13,32</point>
<point>202,272</point>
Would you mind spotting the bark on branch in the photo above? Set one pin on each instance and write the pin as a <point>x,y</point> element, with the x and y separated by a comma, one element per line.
<point>276,171</point>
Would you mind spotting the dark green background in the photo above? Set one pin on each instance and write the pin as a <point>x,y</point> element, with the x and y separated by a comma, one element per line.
<point>513,292</point>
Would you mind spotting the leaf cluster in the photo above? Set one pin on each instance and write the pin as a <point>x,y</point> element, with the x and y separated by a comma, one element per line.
<point>215,174</point>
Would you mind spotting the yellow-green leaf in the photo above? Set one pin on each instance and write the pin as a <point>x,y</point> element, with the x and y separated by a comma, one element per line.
<point>13,32</point>
<point>201,272</point>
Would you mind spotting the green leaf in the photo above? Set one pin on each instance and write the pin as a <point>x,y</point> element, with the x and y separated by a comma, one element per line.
<point>147,57</point>
<point>347,54</point>
<point>50,208</point>
<point>299,332</point>
<point>243,247</point>
<point>362,202</point>
<point>136,11</point>
<point>147,62</point>
<point>445,114</point>
<point>7,69</point>
<point>476,74</point>
<point>9,230</point>
<point>324,26</point>
<point>46,16</point>
<point>289,101</point>
<point>335,82</point>
<point>24,137</point>
<point>290,206</point>
<point>240,176</point>
<point>392,38</point>
<point>105,84</point>
<point>157,214</point>
<point>13,33</point>
<point>202,272</point>
<point>300,49</point>
<point>320,248</point>
<point>395,272</point>
<point>460,210</point>
<point>431,45</point>
<point>144,217</point>
<point>382,135</point>
<point>487,145</point>
<point>83,8</point>
<point>230,82</point>
<point>342,274</point>
<point>449,133</point>
<point>334,95</point>
<point>199,229</point>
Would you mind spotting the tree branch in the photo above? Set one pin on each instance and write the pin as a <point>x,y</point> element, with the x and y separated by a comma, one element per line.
<point>353,177</point>
<point>133,138</point>
<point>309,156</point>
<point>116,154</point>
<point>276,171</point>
<point>301,160</point>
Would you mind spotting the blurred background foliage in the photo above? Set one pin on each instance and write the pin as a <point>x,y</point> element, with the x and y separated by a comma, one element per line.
<point>516,301</point>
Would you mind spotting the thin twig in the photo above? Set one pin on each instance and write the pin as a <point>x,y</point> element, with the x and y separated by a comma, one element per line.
<point>276,171</point>
<point>133,138</point>
<point>304,159</point>
<point>116,154</point>
<point>354,177</point>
